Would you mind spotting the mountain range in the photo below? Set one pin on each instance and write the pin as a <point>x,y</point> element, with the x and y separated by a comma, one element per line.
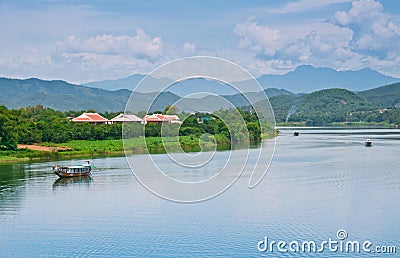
<point>60,95</point>
<point>304,79</point>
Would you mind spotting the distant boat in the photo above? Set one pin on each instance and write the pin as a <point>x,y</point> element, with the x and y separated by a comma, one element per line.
<point>73,171</point>
<point>368,143</point>
<point>296,133</point>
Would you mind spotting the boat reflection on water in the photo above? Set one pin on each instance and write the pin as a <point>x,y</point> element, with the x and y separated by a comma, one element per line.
<point>68,181</point>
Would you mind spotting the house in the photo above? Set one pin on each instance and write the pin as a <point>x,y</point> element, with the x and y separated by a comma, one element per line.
<point>125,118</point>
<point>160,118</point>
<point>92,118</point>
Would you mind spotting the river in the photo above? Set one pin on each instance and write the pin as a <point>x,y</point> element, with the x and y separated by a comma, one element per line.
<point>323,182</point>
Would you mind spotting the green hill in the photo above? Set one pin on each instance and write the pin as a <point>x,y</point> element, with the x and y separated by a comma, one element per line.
<point>320,107</point>
<point>284,106</point>
<point>328,106</point>
<point>60,95</point>
<point>384,96</point>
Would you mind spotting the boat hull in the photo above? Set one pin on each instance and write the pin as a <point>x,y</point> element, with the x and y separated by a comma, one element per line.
<point>64,175</point>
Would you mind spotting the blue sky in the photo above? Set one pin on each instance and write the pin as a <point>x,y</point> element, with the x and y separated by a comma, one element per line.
<point>80,41</point>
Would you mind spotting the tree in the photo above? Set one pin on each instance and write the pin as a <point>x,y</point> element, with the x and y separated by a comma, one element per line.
<point>171,110</point>
<point>7,134</point>
<point>254,131</point>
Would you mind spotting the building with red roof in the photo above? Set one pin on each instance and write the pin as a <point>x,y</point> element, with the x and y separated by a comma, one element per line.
<point>160,118</point>
<point>92,118</point>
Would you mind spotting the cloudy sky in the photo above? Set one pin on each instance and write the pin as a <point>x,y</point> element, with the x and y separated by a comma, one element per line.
<point>80,41</point>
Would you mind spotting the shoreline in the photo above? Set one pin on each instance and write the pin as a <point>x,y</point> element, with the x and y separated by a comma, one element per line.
<point>115,148</point>
<point>100,148</point>
<point>348,125</point>
<point>107,148</point>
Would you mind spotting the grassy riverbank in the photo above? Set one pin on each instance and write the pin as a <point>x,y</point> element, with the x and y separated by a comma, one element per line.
<point>87,148</point>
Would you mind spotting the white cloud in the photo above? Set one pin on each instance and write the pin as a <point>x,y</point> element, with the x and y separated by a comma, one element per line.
<point>261,39</point>
<point>362,36</point>
<point>361,10</point>
<point>374,29</point>
<point>295,41</point>
<point>304,5</point>
<point>94,58</point>
<point>139,46</point>
<point>189,48</point>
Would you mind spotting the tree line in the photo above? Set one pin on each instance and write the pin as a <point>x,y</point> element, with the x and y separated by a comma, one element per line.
<point>40,124</point>
<point>332,106</point>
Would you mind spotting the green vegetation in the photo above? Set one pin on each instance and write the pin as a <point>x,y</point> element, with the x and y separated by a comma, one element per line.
<point>220,129</point>
<point>90,148</point>
<point>46,127</point>
<point>329,106</point>
<point>337,107</point>
<point>59,95</point>
<point>384,97</point>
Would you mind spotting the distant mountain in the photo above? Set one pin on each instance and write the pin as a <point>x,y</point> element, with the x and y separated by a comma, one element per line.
<point>111,85</point>
<point>60,95</point>
<point>207,103</point>
<point>304,79</point>
<point>181,88</point>
<point>318,107</point>
<point>130,83</point>
<point>154,101</point>
<point>307,78</point>
<point>384,96</point>
<point>239,100</point>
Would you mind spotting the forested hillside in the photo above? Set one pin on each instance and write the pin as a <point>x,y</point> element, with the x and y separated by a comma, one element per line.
<point>386,96</point>
<point>379,105</point>
<point>337,106</point>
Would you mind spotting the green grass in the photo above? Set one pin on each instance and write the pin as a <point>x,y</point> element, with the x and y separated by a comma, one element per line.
<point>91,147</point>
<point>86,148</point>
<point>25,155</point>
<point>134,145</point>
<point>341,124</point>
<point>363,124</point>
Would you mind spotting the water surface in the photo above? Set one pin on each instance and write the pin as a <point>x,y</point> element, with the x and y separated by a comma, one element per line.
<point>318,183</point>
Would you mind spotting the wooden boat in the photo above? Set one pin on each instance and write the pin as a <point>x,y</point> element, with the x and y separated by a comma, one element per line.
<point>368,143</point>
<point>296,133</point>
<point>73,171</point>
